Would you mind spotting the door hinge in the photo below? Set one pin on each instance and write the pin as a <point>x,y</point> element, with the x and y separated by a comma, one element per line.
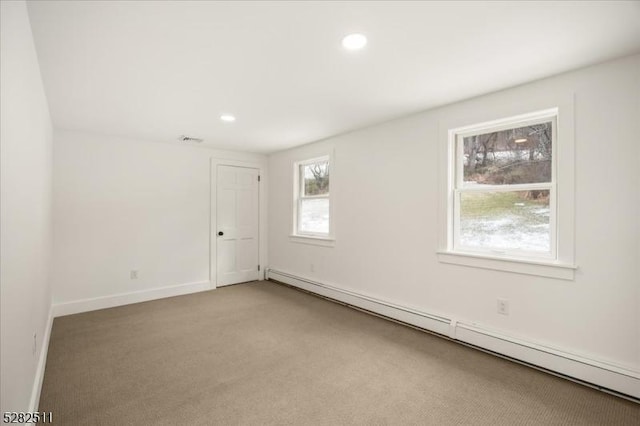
<point>258,178</point>
<point>258,267</point>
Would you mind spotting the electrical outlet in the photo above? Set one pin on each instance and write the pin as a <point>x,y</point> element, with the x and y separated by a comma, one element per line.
<point>134,274</point>
<point>503,306</point>
<point>35,345</point>
<point>312,267</point>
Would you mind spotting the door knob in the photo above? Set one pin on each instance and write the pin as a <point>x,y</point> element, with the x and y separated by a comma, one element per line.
<point>220,233</point>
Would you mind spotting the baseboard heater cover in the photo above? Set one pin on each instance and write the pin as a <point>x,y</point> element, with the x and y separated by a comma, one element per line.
<point>607,377</point>
<point>420,319</point>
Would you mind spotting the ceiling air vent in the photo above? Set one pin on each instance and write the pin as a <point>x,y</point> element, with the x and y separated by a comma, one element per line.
<point>184,138</point>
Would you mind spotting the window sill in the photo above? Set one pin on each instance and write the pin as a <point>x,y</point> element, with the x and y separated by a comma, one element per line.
<point>310,239</point>
<point>541,268</point>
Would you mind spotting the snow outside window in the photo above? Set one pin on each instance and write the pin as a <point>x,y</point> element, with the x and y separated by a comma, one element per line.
<point>504,187</point>
<point>313,198</point>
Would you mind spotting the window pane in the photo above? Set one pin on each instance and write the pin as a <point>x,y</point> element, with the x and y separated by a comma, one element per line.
<point>517,220</point>
<point>314,216</point>
<point>508,157</point>
<point>316,178</point>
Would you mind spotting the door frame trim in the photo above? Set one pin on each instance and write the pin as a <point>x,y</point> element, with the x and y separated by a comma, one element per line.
<point>261,166</point>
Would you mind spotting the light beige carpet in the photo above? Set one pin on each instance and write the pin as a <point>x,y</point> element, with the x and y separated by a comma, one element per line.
<point>263,353</point>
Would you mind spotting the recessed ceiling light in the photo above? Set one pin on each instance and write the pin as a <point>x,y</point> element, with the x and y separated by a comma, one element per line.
<point>520,140</point>
<point>227,118</point>
<point>354,41</point>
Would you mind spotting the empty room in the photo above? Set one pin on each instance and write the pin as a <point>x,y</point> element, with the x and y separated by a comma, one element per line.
<point>320,212</point>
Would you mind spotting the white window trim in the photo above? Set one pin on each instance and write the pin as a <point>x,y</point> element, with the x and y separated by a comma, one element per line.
<point>457,186</point>
<point>560,264</point>
<point>327,240</point>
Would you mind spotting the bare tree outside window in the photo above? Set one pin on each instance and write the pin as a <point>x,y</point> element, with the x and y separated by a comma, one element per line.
<point>313,202</point>
<point>509,157</point>
<point>503,193</point>
<point>316,178</point>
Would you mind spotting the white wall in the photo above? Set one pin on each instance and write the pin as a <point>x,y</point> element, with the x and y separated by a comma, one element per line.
<point>385,183</point>
<point>123,204</point>
<point>26,209</point>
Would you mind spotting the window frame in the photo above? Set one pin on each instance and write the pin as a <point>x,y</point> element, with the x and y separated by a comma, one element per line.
<point>514,106</point>
<point>298,197</point>
<point>458,187</point>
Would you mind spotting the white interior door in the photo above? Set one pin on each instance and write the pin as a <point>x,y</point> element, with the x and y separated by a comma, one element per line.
<point>237,205</point>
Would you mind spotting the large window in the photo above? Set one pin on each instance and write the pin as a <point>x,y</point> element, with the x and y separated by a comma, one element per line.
<point>312,198</point>
<point>503,188</point>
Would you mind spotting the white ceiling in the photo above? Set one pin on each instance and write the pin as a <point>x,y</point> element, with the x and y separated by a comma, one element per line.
<point>156,70</point>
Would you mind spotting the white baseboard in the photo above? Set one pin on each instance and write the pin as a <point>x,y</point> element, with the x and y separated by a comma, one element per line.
<point>601,374</point>
<point>93,304</point>
<point>42,362</point>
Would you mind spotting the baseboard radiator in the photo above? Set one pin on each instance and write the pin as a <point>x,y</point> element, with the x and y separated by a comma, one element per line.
<point>601,375</point>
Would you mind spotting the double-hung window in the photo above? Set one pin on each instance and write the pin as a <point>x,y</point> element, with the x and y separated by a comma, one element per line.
<point>313,198</point>
<point>503,188</point>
